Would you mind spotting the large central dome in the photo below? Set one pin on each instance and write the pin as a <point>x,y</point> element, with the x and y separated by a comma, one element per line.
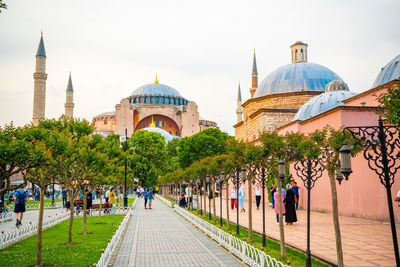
<point>156,89</point>
<point>296,77</point>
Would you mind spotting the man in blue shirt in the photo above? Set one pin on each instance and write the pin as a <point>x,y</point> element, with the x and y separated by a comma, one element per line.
<point>296,192</point>
<point>146,197</point>
<point>20,198</point>
<point>150,197</point>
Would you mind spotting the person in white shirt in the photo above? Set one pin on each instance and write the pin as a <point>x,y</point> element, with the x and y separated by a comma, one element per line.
<point>258,195</point>
<point>233,198</point>
<point>141,191</point>
<point>107,194</point>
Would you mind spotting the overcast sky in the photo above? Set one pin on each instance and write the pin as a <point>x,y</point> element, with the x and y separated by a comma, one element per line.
<point>201,48</point>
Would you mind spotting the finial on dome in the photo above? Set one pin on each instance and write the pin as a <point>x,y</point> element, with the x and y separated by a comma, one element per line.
<point>152,122</point>
<point>156,81</point>
<point>41,33</point>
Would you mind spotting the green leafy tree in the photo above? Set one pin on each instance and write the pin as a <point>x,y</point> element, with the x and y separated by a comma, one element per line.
<point>149,156</point>
<point>390,101</point>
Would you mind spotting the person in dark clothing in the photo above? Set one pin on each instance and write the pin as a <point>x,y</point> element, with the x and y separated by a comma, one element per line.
<point>273,190</point>
<point>64,197</point>
<point>89,198</point>
<point>290,205</point>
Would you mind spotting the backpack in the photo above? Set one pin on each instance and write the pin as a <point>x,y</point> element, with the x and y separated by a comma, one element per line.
<point>20,197</point>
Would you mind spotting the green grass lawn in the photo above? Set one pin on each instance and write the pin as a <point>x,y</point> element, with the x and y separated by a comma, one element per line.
<point>85,253</point>
<point>296,257</point>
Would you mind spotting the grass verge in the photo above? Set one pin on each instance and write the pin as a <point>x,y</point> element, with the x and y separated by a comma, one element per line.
<point>86,251</point>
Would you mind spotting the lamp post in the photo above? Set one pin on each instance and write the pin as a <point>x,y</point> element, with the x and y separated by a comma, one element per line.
<point>52,199</point>
<point>261,177</point>
<point>236,180</point>
<point>208,183</point>
<point>382,152</point>
<point>309,171</point>
<point>220,181</point>
<point>199,191</point>
<point>124,139</point>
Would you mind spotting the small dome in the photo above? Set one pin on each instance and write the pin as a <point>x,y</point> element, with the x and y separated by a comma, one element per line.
<point>156,89</point>
<point>336,85</point>
<point>167,136</point>
<point>321,103</point>
<point>388,73</point>
<point>296,77</point>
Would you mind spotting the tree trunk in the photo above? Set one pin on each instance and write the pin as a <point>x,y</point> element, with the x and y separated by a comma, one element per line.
<point>40,229</point>
<point>118,190</point>
<point>84,212</point>
<point>228,225</point>
<point>335,215</point>
<point>250,208</point>
<point>213,202</point>
<point>205,199</point>
<point>71,218</point>
<point>281,228</point>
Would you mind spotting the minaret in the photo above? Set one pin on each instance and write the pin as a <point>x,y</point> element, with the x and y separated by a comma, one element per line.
<point>254,76</point>
<point>299,52</point>
<point>239,110</point>
<point>40,77</point>
<point>69,100</point>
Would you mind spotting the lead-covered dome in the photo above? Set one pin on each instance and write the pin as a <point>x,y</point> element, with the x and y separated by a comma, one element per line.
<point>336,92</point>
<point>156,89</point>
<point>296,77</point>
<point>388,73</point>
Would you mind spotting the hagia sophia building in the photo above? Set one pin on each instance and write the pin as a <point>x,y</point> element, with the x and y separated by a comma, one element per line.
<point>154,107</point>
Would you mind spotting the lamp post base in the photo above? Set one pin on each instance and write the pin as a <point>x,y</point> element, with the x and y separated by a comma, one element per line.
<point>264,240</point>
<point>308,260</point>
<point>125,201</point>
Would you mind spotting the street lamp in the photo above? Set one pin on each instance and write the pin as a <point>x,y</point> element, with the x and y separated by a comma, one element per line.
<point>208,183</point>
<point>309,171</point>
<point>221,181</point>
<point>382,152</point>
<point>262,178</point>
<point>124,139</point>
<point>199,191</point>
<point>236,179</point>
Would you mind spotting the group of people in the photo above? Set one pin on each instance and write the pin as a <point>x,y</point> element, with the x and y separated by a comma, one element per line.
<point>147,194</point>
<point>290,200</point>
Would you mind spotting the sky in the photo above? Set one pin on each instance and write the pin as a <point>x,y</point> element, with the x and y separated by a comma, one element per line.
<point>201,48</point>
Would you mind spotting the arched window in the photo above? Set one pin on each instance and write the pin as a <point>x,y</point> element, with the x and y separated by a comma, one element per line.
<point>134,100</point>
<point>162,100</point>
<point>157,100</point>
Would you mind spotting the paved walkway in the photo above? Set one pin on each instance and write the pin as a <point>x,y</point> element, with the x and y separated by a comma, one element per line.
<point>160,237</point>
<point>365,243</point>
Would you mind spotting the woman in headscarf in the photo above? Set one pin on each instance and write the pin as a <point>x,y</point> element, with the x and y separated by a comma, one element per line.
<point>290,205</point>
<point>241,198</point>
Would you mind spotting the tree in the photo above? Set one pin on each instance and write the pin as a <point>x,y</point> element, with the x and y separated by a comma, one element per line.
<point>329,141</point>
<point>149,156</point>
<point>209,142</point>
<point>390,101</point>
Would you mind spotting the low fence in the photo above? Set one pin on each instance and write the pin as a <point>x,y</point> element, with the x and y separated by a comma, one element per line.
<point>6,216</point>
<point>247,253</point>
<point>109,251</point>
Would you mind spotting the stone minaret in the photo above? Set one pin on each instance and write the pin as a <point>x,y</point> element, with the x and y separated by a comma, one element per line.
<point>239,110</point>
<point>40,77</point>
<point>299,52</point>
<point>69,100</point>
<point>254,76</point>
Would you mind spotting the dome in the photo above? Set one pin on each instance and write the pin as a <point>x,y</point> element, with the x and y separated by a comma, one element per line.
<point>296,77</point>
<point>322,103</point>
<point>336,85</point>
<point>156,89</point>
<point>388,73</point>
<point>167,136</point>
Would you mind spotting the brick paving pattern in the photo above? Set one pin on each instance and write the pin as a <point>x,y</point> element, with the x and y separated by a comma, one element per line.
<point>365,242</point>
<point>160,237</point>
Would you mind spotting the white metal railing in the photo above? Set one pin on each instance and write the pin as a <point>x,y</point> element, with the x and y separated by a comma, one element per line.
<point>164,200</point>
<point>109,251</point>
<point>35,206</point>
<point>6,216</point>
<point>247,253</point>
<point>10,237</point>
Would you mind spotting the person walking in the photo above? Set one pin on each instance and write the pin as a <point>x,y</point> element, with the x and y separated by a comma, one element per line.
<point>273,190</point>
<point>150,197</point>
<point>89,198</point>
<point>276,197</point>
<point>141,191</point>
<point>258,195</point>
<point>112,197</point>
<point>290,206</point>
<point>296,192</point>
<point>233,198</point>
<point>146,197</point>
<point>138,192</point>
<point>64,196</point>
<point>20,199</point>
<point>107,194</point>
<point>241,199</point>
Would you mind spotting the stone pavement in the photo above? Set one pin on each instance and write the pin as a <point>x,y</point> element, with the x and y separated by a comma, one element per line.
<point>365,242</point>
<point>160,237</point>
<point>29,216</point>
